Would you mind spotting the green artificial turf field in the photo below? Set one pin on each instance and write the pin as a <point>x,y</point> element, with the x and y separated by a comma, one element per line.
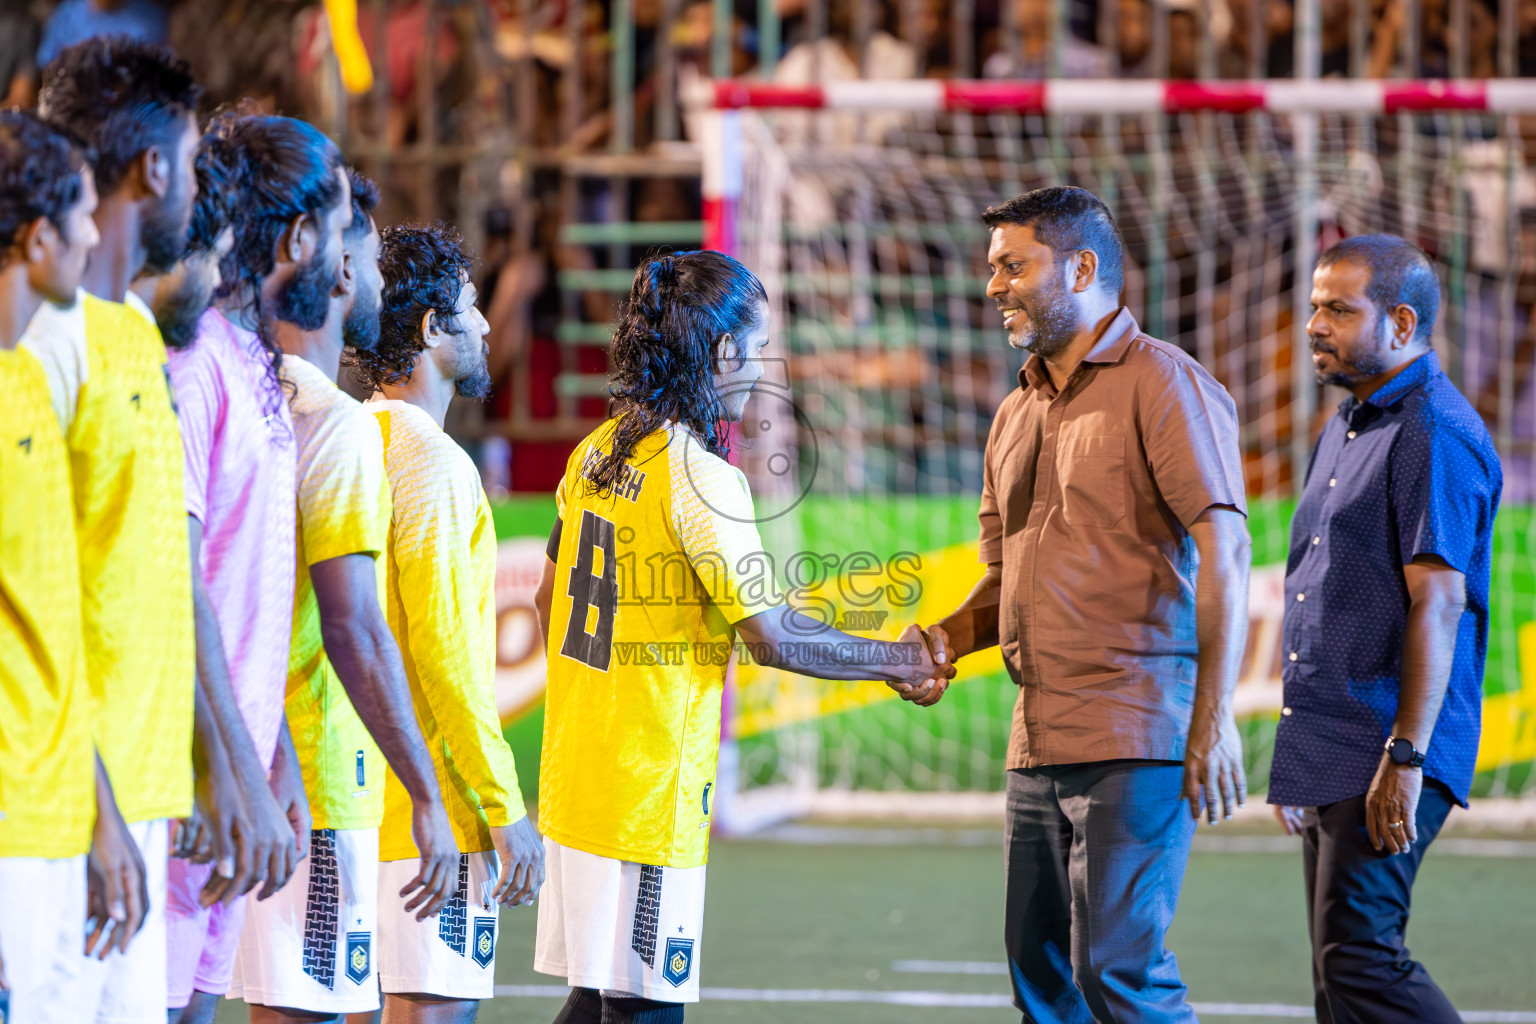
<point>836,918</point>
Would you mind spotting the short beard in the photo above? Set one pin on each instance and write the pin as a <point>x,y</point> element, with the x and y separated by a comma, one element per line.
<point>179,316</point>
<point>360,330</point>
<point>1051,322</point>
<point>163,234</point>
<point>1365,366</point>
<point>476,383</point>
<point>304,300</point>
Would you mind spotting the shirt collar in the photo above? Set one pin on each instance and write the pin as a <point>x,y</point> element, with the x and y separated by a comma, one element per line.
<point>1415,375</point>
<point>1113,341</point>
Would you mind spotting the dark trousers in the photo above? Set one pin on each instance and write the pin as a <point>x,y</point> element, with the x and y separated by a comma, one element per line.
<point>1095,859</point>
<point>1357,911</point>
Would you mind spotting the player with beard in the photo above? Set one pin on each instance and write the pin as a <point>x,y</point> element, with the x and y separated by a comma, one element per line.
<point>308,280</point>
<point>46,756</point>
<point>133,105</point>
<point>179,297</point>
<point>442,607</point>
<point>239,464</point>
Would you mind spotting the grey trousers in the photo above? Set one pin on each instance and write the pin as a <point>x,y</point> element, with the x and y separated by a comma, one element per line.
<point>1095,860</point>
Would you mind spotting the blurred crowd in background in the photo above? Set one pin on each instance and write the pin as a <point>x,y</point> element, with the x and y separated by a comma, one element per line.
<point>553,133</point>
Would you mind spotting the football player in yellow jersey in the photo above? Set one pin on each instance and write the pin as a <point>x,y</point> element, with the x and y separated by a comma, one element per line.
<point>134,105</point>
<point>442,608</point>
<point>650,578</point>
<point>306,254</point>
<point>52,787</point>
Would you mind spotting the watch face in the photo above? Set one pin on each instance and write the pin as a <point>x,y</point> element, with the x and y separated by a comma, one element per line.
<point>1402,751</point>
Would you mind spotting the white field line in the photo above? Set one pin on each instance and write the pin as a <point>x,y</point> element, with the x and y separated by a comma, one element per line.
<point>1205,842</point>
<point>1507,815</point>
<point>972,1000</point>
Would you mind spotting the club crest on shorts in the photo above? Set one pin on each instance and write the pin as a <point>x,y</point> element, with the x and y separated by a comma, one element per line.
<point>359,949</point>
<point>677,965</point>
<point>484,946</point>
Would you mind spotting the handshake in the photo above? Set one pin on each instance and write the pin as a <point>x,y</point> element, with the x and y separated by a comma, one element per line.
<point>925,681</point>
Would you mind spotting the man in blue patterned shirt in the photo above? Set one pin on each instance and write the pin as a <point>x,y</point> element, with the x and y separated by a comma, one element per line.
<point>1386,627</point>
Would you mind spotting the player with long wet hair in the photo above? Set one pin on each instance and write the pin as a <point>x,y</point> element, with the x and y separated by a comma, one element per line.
<point>645,586</point>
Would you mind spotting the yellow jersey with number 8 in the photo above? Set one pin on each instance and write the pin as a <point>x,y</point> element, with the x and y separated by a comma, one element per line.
<point>649,580</point>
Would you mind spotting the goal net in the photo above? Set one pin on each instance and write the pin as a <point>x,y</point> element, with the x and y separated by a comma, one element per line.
<point>858,205</point>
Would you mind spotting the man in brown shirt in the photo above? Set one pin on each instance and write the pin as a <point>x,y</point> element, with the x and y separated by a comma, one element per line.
<point>1114,533</point>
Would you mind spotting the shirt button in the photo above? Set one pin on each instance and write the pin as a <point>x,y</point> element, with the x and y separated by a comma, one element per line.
<point>1285,711</point>
<point>1317,540</point>
<point>1301,597</point>
<point>1333,481</point>
<point>1350,435</point>
<point>1293,655</point>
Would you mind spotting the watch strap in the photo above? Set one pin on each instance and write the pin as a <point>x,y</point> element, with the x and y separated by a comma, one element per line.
<point>1415,761</point>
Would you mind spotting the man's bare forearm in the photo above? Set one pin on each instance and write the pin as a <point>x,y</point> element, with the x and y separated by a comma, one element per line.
<point>787,639</point>
<point>973,626</point>
<point>285,754</point>
<point>1429,647</point>
<point>1221,606</point>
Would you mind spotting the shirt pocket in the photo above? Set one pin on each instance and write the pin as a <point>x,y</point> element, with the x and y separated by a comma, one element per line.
<point>1093,481</point>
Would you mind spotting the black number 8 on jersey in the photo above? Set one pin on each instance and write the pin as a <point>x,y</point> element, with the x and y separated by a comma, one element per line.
<point>597,591</point>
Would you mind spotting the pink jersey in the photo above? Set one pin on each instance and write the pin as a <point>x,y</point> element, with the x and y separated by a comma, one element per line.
<point>240,480</point>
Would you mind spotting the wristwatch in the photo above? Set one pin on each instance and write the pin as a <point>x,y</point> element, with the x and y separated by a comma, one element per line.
<point>1403,752</point>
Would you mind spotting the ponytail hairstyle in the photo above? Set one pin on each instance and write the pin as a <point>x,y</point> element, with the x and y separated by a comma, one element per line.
<point>664,349</point>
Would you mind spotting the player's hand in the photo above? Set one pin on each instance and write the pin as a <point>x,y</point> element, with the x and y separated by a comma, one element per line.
<point>117,893</point>
<point>439,873</point>
<point>914,677</point>
<point>931,676</point>
<point>192,840</point>
<point>222,805</point>
<point>521,853</point>
<point>1290,819</point>
<point>1392,805</point>
<point>271,839</point>
<point>1213,766</point>
<point>287,784</point>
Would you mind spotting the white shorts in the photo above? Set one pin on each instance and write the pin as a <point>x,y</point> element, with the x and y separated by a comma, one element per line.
<point>42,939</point>
<point>130,988</point>
<point>622,928</point>
<point>451,955</point>
<point>311,946</point>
